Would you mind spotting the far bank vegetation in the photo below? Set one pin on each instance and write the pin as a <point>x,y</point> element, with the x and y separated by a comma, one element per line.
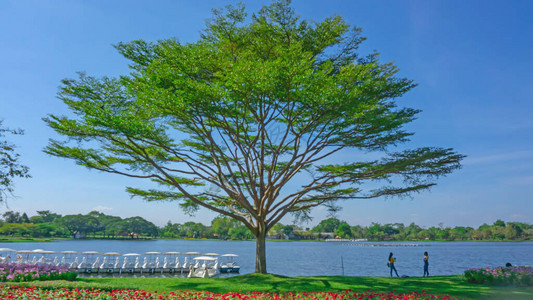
<point>46,224</point>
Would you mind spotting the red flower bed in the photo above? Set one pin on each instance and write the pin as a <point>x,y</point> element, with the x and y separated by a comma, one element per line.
<point>15,292</point>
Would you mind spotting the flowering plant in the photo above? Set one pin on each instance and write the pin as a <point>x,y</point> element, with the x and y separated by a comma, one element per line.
<point>519,276</point>
<point>30,272</point>
<point>15,292</point>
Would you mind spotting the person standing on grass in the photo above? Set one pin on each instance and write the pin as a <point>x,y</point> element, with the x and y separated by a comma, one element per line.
<point>391,265</point>
<point>426,265</point>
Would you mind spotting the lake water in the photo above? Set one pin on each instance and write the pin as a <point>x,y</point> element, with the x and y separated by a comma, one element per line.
<point>294,258</point>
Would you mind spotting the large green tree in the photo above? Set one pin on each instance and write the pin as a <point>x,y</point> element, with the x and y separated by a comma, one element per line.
<point>12,217</point>
<point>252,121</point>
<point>82,224</point>
<point>44,216</point>
<point>222,226</point>
<point>137,225</point>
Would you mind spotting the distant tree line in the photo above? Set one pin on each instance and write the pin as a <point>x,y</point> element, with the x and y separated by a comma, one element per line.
<point>99,225</point>
<point>498,231</point>
<point>94,224</point>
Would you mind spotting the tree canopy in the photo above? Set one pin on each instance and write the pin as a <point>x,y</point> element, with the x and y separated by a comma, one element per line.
<point>10,167</point>
<point>250,120</point>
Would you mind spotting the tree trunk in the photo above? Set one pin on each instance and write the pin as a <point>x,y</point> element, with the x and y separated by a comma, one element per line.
<point>260,251</point>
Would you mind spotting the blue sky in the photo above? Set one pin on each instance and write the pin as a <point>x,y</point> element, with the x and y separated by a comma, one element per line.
<point>471,59</point>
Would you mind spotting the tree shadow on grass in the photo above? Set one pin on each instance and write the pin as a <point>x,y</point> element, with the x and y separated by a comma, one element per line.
<point>256,282</point>
<point>445,285</point>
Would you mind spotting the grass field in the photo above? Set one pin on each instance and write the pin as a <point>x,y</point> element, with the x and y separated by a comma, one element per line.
<point>446,285</point>
<point>24,240</point>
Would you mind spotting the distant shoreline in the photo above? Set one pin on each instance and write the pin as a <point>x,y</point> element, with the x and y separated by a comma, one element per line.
<point>46,240</point>
<point>26,240</point>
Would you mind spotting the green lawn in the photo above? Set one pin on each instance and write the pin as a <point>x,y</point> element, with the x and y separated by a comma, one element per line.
<point>448,285</point>
<point>24,240</point>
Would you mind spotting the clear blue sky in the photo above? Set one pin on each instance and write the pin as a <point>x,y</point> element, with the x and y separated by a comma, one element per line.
<point>473,61</point>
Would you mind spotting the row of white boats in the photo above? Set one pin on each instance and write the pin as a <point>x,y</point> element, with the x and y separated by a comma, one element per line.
<point>193,264</point>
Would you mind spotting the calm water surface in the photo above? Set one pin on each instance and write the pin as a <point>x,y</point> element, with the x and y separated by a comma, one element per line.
<point>294,258</point>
